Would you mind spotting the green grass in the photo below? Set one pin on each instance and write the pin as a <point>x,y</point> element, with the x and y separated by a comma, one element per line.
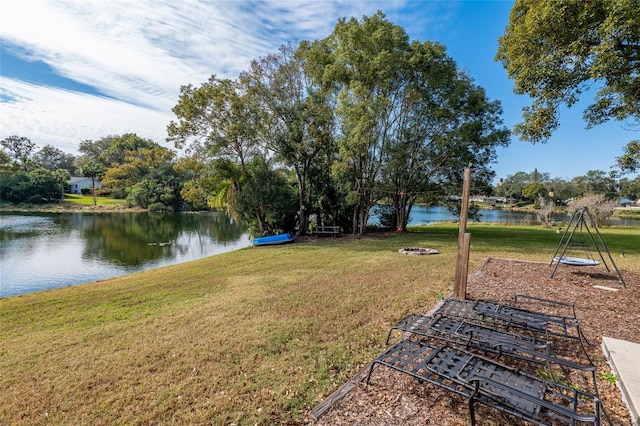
<point>257,336</point>
<point>84,200</point>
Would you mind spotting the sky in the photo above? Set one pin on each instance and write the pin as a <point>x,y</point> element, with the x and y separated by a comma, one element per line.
<point>76,70</point>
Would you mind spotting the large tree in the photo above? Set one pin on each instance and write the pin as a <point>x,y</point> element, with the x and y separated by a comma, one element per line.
<point>409,120</point>
<point>155,162</point>
<point>362,62</point>
<point>217,123</point>
<point>93,170</point>
<point>296,116</point>
<point>110,151</point>
<point>20,149</point>
<point>557,50</point>
<point>445,122</point>
<point>52,158</point>
<point>216,120</point>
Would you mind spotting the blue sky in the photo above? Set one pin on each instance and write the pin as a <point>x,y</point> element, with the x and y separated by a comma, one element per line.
<point>74,70</point>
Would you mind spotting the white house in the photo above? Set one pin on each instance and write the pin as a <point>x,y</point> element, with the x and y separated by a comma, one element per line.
<point>78,183</point>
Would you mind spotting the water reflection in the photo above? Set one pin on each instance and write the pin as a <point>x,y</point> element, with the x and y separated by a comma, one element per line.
<point>421,215</point>
<point>42,251</point>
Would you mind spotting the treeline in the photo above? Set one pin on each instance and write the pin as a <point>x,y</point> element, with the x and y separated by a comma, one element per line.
<point>317,133</point>
<point>323,131</point>
<point>529,187</point>
<point>128,166</point>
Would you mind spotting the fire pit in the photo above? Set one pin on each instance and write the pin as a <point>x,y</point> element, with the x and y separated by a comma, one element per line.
<point>419,251</point>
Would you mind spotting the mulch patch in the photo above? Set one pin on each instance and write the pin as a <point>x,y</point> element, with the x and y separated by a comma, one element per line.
<point>393,398</point>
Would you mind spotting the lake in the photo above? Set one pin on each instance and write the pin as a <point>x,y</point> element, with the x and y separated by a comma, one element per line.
<point>40,251</point>
<point>43,251</point>
<point>421,215</point>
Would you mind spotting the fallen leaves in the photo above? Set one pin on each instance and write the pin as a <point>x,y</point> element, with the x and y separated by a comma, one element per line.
<point>393,398</point>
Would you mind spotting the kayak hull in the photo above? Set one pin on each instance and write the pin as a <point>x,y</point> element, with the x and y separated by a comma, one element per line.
<point>274,240</point>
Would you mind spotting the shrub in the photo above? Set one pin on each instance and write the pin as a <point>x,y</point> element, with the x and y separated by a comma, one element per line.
<point>598,206</point>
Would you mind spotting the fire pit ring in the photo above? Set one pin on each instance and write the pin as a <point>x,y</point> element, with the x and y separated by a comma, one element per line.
<point>417,251</point>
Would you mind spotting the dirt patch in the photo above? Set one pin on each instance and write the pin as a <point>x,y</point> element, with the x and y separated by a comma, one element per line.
<point>396,399</point>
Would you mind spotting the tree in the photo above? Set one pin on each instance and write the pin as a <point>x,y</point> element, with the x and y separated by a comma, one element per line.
<point>92,170</point>
<point>266,199</point>
<point>556,50</point>
<point>5,163</point>
<point>52,158</point>
<point>19,149</point>
<point>562,190</point>
<point>35,186</point>
<point>545,212</point>
<point>629,162</point>
<point>111,150</point>
<point>533,190</point>
<point>630,188</point>
<point>216,120</point>
<point>513,185</point>
<point>444,123</point>
<point>63,176</point>
<point>198,183</point>
<point>296,117</point>
<point>595,181</point>
<point>361,61</point>
<point>599,207</point>
<point>217,124</point>
<point>155,162</point>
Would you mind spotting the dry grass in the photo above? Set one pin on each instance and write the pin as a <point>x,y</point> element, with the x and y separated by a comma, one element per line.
<point>257,336</point>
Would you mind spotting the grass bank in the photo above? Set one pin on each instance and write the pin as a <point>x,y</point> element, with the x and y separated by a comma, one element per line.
<point>257,336</point>
<point>72,202</point>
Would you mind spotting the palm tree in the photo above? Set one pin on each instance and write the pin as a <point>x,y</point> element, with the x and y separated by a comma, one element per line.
<point>91,170</point>
<point>63,176</point>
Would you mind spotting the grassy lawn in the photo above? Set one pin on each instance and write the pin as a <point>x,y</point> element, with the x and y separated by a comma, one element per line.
<point>71,202</point>
<point>256,336</point>
<point>87,200</point>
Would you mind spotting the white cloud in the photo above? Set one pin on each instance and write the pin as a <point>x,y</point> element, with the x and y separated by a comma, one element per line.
<point>50,116</point>
<point>140,53</point>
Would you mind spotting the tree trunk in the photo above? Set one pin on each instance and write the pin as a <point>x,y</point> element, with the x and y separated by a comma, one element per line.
<point>304,220</point>
<point>93,190</point>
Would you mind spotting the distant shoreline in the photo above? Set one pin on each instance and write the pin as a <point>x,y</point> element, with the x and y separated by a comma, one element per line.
<point>69,208</point>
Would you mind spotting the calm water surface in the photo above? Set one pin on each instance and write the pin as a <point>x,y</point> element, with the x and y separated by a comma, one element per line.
<point>421,215</point>
<point>45,251</point>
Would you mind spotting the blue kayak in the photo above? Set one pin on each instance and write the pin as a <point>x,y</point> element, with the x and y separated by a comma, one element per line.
<point>274,239</point>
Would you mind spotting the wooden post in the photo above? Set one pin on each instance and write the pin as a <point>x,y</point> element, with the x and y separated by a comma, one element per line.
<point>461,264</point>
<point>464,266</point>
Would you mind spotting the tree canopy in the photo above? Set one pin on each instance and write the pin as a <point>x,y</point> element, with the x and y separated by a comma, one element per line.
<point>556,50</point>
<point>362,116</point>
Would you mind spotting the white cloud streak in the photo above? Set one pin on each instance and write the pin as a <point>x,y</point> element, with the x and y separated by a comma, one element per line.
<point>51,116</point>
<point>139,53</point>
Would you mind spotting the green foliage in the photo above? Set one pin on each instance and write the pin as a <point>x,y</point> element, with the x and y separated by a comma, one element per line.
<point>410,121</point>
<point>36,186</point>
<point>112,150</point>
<point>153,162</point>
<point>152,194</point>
<point>296,119</point>
<point>610,377</point>
<point>533,190</point>
<point>629,162</point>
<point>554,51</point>
<point>266,200</point>
<point>19,149</point>
<point>217,119</point>
<point>52,158</point>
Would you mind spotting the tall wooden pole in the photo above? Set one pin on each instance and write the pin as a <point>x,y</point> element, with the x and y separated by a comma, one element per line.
<point>459,288</point>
